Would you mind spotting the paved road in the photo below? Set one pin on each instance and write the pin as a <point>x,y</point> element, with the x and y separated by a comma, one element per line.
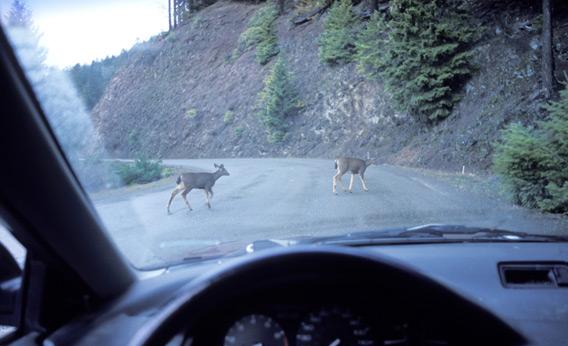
<point>281,198</point>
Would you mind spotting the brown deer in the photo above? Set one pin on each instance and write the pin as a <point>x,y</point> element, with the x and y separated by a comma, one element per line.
<point>353,165</point>
<point>203,181</point>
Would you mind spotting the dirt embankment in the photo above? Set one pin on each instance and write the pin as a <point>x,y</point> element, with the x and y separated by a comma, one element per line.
<point>171,98</point>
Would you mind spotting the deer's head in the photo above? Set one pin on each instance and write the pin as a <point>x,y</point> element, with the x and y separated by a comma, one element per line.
<point>221,169</point>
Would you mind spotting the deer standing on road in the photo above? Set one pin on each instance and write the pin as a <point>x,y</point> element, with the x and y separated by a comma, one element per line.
<point>353,165</point>
<point>203,181</point>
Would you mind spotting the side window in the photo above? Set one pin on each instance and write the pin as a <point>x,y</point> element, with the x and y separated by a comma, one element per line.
<point>12,258</point>
<point>12,244</point>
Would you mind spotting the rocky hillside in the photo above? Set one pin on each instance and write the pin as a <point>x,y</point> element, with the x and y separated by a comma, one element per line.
<point>185,94</point>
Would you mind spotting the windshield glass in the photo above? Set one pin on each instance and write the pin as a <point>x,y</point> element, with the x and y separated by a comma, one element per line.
<point>212,128</point>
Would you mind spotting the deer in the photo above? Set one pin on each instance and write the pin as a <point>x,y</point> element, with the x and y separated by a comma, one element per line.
<point>353,165</point>
<point>203,181</point>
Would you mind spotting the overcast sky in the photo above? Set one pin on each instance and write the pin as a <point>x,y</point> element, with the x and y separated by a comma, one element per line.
<point>81,31</point>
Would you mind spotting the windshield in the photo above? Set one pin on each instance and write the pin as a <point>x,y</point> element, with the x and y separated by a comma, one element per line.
<point>199,128</point>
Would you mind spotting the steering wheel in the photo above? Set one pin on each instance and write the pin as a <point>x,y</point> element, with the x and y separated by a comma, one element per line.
<point>325,267</point>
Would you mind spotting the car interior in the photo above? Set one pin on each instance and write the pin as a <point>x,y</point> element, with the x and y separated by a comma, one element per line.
<point>77,288</point>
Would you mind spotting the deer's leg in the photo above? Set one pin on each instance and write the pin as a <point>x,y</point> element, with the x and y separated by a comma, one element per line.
<point>334,183</point>
<point>209,195</point>
<point>174,193</point>
<point>341,183</point>
<point>351,182</point>
<point>362,177</point>
<point>337,178</point>
<point>184,195</point>
<point>207,198</point>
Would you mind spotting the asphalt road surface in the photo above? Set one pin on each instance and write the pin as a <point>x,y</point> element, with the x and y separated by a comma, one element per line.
<point>282,198</point>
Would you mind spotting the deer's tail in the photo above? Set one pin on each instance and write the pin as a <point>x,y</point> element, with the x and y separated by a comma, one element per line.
<point>335,164</point>
<point>178,180</point>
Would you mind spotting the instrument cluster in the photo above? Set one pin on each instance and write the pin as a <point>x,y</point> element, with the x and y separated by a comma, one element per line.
<point>329,326</point>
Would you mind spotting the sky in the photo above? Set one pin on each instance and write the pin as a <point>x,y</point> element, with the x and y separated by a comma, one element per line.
<point>82,31</point>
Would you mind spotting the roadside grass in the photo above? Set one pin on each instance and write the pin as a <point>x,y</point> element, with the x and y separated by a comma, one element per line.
<point>484,184</point>
<point>119,192</point>
<point>490,186</point>
<point>191,113</point>
<point>228,117</point>
<point>140,171</point>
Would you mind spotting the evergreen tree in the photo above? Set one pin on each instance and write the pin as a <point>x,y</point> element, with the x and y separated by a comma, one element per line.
<point>371,46</point>
<point>337,42</point>
<point>422,58</point>
<point>533,162</point>
<point>92,79</point>
<point>556,136</point>
<point>519,159</point>
<point>20,15</point>
<point>261,33</point>
<point>277,101</point>
<point>58,100</point>
<point>547,50</point>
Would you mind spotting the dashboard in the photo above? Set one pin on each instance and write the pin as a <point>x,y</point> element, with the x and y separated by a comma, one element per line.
<point>413,294</point>
<point>328,296</point>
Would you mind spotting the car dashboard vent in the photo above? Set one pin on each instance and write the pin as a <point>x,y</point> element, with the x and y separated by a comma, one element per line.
<point>534,275</point>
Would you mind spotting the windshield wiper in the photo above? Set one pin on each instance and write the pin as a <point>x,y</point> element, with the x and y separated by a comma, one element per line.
<point>216,250</point>
<point>433,234</point>
<point>477,233</point>
<point>181,262</point>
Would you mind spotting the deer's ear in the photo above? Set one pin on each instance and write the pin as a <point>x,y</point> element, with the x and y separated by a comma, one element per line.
<point>215,165</point>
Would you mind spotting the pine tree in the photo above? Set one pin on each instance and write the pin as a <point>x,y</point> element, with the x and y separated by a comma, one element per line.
<point>337,42</point>
<point>20,15</point>
<point>57,98</point>
<point>520,160</point>
<point>261,33</point>
<point>422,57</point>
<point>277,101</point>
<point>547,50</point>
<point>556,134</point>
<point>533,162</point>
<point>91,80</point>
<point>371,45</point>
